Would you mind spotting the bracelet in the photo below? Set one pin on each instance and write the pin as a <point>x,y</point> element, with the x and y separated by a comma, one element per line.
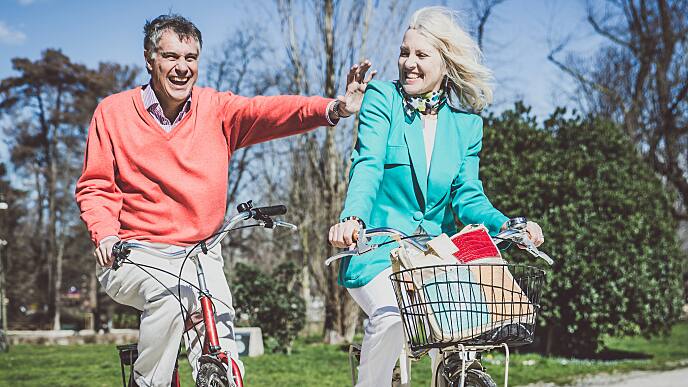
<point>335,109</point>
<point>356,218</point>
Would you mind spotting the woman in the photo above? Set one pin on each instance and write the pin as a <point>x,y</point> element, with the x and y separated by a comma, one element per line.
<point>415,164</point>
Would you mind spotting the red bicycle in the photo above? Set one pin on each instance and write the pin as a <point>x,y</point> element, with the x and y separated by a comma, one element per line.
<point>217,367</point>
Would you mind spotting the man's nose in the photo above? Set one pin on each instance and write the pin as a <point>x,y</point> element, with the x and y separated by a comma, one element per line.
<point>181,67</point>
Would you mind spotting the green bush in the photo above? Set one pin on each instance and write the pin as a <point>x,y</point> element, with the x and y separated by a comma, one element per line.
<point>270,302</point>
<point>607,223</point>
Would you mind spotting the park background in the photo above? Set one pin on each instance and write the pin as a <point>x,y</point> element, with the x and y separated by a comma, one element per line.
<point>588,136</point>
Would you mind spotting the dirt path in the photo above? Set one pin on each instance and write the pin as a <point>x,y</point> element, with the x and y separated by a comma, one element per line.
<point>674,378</point>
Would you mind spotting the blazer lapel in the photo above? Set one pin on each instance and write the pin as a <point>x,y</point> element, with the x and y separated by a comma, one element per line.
<point>446,155</point>
<point>414,140</point>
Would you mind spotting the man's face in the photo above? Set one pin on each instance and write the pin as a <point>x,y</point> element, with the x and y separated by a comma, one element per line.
<point>173,68</point>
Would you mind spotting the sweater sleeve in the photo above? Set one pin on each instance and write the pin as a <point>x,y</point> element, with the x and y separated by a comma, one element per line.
<point>249,121</point>
<point>468,198</point>
<point>97,194</point>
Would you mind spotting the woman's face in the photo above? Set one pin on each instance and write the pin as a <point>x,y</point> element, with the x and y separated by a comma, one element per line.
<point>421,69</point>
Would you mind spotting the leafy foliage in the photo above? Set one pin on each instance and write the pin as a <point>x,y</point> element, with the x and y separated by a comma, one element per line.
<point>607,223</point>
<point>270,302</point>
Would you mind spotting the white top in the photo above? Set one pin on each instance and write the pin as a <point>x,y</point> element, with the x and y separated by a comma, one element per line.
<point>429,130</point>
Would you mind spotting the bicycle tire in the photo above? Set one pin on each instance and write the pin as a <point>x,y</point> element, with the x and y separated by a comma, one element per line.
<point>211,375</point>
<point>474,378</point>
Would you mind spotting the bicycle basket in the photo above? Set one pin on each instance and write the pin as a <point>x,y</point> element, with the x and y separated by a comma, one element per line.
<point>485,304</point>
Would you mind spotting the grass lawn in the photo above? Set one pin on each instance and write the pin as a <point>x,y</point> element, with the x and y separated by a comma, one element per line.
<point>314,364</point>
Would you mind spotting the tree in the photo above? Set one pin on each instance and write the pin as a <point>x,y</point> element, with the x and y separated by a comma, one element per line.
<point>639,79</point>
<point>271,302</point>
<point>10,217</point>
<point>50,103</point>
<point>319,167</point>
<point>607,223</point>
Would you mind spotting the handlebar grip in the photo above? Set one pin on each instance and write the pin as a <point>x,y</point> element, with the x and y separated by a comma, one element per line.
<point>271,210</point>
<point>119,253</point>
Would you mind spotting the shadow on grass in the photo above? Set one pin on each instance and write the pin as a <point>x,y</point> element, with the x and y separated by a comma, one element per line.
<point>606,354</point>
<point>619,354</point>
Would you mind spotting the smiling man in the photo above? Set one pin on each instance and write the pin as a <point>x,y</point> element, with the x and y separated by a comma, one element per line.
<point>155,171</point>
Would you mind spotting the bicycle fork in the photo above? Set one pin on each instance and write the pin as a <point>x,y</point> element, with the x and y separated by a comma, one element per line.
<point>211,342</point>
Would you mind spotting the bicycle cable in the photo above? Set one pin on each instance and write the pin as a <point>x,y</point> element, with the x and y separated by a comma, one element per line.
<point>178,298</point>
<point>205,250</point>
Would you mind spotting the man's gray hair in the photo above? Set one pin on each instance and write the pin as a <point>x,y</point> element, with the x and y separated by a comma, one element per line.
<point>153,30</point>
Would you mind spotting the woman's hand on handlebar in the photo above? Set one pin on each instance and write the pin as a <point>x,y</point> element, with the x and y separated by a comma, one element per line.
<point>534,233</point>
<point>344,234</point>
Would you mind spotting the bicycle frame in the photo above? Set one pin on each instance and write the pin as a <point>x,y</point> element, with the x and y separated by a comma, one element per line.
<point>211,349</point>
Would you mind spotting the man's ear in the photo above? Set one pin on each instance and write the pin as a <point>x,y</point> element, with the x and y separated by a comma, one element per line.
<point>149,60</point>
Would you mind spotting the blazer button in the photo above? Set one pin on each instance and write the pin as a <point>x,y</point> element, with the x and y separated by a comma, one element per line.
<point>417,215</point>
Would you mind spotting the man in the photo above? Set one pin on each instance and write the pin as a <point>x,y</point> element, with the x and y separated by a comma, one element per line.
<point>155,171</point>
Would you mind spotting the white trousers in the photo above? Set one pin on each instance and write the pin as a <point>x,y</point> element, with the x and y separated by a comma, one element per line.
<point>384,335</point>
<point>162,323</point>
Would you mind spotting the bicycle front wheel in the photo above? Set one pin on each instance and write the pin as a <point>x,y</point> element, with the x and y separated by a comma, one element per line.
<point>474,378</point>
<point>211,375</point>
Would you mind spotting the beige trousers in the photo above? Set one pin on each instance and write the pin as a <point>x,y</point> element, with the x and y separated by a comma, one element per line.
<point>162,324</point>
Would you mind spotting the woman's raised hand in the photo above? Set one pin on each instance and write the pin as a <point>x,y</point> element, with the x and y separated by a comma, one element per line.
<point>356,82</point>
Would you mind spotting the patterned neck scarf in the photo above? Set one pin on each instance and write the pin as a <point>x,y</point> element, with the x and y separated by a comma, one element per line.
<point>429,103</point>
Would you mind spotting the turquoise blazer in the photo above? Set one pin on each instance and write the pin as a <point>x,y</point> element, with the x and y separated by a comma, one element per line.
<point>389,185</point>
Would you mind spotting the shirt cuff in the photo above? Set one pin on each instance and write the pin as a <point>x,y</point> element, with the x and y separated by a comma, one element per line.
<point>107,238</point>
<point>327,113</point>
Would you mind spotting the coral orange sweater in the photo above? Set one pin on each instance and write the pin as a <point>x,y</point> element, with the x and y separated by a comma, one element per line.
<point>139,182</point>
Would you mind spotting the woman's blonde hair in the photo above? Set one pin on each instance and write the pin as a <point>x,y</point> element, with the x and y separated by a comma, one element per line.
<point>469,80</point>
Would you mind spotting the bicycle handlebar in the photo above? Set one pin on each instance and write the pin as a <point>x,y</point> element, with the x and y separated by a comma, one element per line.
<point>515,234</point>
<point>271,210</point>
<point>121,250</point>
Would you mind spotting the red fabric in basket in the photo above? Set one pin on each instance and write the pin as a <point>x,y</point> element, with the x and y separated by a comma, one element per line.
<point>474,245</point>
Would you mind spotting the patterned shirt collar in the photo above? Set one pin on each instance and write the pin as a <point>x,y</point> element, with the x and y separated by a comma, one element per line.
<point>152,105</point>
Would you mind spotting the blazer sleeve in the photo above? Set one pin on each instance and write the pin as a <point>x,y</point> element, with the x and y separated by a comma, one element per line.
<point>368,156</point>
<point>469,201</point>
<point>248,121</point>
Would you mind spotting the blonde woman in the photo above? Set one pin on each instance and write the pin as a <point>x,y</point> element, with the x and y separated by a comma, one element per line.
<point>415,164</point>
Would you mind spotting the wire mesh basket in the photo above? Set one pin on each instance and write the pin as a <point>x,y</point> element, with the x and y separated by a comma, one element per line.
<point>446,305</point>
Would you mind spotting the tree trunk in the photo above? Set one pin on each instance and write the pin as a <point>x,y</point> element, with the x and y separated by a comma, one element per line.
<point>52,234</point>
<point>58,286</point>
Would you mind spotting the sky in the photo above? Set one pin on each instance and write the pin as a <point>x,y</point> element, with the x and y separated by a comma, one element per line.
<point>90,32</point>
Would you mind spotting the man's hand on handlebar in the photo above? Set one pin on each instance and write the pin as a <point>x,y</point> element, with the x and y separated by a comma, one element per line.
<point>104,251</point>
<point>344,234</point>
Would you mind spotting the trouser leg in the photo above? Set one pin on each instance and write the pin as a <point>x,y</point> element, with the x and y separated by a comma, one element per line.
<point>162,322</point>
<point>383,339</point>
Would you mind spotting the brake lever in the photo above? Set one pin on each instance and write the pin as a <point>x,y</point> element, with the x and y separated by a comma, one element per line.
<point>362,245</point>
<point>284,224</point>
<point>530,247</point>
